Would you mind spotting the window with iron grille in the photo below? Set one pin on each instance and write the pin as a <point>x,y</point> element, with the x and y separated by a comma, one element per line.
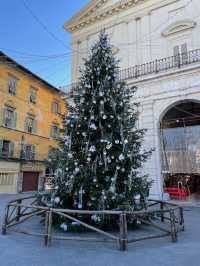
<point>28,152</point>
<point>55,131</point>
<point>33,95</point>
<point>30,124</point>
<point>12,85</point>
<point>6,149</point>
<point>180,54</point>
<point>56,107</point>
<point>9,117</point>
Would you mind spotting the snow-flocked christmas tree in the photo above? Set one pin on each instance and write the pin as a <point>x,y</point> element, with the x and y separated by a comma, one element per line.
<point>97,165</point>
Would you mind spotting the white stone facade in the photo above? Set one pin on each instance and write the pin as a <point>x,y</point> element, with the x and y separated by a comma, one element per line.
<point>143,31</point>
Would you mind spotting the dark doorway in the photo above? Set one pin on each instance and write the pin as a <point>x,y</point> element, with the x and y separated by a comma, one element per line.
<point>30,181</point>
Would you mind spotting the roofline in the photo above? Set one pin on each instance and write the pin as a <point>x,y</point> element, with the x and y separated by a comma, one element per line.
<point>91,4</point>
<point>8,59</point>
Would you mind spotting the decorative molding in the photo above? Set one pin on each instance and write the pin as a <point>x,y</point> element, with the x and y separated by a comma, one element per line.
<point>179,26</point>
<point>88,16</point>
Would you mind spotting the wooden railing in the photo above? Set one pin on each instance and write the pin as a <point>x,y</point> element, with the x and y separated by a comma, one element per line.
<point>169,219</point>
<point>153,67</point>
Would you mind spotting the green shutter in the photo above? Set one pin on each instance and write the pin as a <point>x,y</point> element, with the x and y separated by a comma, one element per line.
<point>11,150</point>
<point>58,132</point>
<point>34,126</point>
<point>14,124</point>
<point>59,108</point>
<point>26,124</point>
<point>1,147</point>
<point>51,131</point>
<point>33,151</point>
<point>4,116</point>
<point>52,107</point>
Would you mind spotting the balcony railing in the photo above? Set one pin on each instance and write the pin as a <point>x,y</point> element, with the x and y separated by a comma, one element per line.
<point>154,67</point>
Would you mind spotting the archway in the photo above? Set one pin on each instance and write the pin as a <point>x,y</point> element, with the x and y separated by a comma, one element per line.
<point>180,148</point>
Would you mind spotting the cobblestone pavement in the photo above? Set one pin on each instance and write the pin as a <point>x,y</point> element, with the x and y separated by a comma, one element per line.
<point>22,250</point>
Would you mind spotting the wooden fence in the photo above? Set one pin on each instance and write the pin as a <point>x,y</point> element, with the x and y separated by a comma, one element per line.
<point>169,216</point>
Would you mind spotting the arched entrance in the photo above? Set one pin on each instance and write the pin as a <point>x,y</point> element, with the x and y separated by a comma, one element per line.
<point>180,147</point>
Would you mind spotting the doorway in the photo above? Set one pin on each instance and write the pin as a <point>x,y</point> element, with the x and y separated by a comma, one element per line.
<point>180,147</point>
<point>30,181</point>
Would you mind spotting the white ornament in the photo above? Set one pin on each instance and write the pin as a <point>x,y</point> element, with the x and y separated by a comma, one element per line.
<point>70,155</point>
<point>109,146</point>
<point>104,117</point>
<point>126,141</point>
<point>121,157</point>
<point>93,126</point>
<point>57,200</point>
<point>117,141</point>
<point>92,149</point>
<point>77,170</point>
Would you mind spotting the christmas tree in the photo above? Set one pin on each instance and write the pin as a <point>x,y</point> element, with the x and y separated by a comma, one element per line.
<point>97,165</point>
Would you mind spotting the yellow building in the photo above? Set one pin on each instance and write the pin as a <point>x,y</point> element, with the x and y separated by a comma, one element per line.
<point>31,112</point>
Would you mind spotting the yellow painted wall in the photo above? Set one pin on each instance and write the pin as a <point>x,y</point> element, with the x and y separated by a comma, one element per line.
<point>42,111</point>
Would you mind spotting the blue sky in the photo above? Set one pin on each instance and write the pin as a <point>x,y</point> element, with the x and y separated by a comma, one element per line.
<point>25,40</point>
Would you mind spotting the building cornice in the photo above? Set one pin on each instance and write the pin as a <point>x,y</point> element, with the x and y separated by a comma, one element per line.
<point>91,13</point>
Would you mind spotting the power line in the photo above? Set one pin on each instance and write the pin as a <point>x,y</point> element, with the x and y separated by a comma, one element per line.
<point>45,28</point>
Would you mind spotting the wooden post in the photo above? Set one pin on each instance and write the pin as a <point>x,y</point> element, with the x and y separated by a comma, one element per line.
<point>181,218</point>
<point>162,214</point>
<point>123,233</point>
<point>46,228</point>
<point>18,212</point>
<point>4,227</point>
<point>50,228</point>
<point>173,226</point>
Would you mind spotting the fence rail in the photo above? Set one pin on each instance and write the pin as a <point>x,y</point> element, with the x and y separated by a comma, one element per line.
<point>153,67</point>
<point>170,217</point>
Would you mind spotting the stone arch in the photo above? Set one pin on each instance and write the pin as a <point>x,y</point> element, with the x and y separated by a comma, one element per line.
<point>179,128</point>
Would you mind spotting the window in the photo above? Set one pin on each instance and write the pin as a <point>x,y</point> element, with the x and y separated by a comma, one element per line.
<point>55,131</point>
<point>10,117</point>
<point>30,124</point>
<point>6,149</point>
<point>12,85</point>
<point>56,107</point>
<point>180,54</point>
<point>28,152</point>
<point>33,95</point>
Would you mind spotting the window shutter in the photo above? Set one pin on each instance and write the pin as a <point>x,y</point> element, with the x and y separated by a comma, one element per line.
<point>51,131</point>
<point>58,132</point>
<point>33,152</point>
<point>35,126</point>
<point>24,152</point>
<point>52,107</point>
<point>59,108</point>
<point>1,147</point>
<point>26,124</point>
<point>4,116</point>
<point>176,55</point>
<point>11,149</point>
<point>14,122</point>
<point>176,50</point>
<point>184,53</point>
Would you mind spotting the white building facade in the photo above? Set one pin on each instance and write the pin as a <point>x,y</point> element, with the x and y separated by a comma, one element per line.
<point>158,45</point>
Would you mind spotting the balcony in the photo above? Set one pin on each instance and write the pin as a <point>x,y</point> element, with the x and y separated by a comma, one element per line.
<point>153,67</point>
